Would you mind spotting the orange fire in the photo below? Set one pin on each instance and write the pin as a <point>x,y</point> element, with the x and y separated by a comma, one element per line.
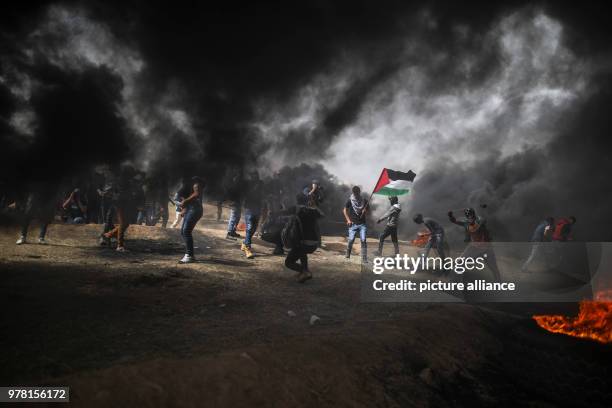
<point>594,320</point>
<point>421,239</point>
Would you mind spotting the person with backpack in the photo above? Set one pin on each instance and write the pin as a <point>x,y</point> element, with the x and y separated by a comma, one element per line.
<point>301,236</point>
<point>355,211</point>
<point>392,217</point>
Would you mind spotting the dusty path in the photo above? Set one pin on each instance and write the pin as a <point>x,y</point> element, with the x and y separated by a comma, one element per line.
<point>121,326</point>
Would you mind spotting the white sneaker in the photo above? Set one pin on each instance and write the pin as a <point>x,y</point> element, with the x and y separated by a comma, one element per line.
<point>187,259</point>
<point>21,240</point>
<point>121,249</point>
<point>41,241</point>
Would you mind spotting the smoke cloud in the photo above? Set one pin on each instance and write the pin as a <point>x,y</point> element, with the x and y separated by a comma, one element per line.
<point>496,105</point>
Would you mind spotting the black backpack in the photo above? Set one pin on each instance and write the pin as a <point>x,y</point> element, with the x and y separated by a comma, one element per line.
<point>291,235</point>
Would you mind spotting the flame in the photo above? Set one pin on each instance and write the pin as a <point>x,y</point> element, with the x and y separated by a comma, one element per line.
<point>421,239</point>
<point>594,320</point>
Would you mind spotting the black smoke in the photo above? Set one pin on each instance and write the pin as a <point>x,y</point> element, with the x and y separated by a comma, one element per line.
<point>177,90</point>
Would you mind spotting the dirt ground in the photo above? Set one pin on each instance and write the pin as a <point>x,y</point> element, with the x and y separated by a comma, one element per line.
<point>138,329</point>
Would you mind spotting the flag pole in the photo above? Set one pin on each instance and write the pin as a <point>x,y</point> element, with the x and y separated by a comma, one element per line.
<point>371,194</point>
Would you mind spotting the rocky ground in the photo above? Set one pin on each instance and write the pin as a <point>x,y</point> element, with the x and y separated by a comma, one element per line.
<point>137,329</point>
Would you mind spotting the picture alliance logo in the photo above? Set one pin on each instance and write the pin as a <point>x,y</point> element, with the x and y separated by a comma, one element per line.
<point>413,264</point>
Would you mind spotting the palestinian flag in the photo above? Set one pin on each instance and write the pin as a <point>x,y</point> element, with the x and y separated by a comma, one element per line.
<point>394,183</point>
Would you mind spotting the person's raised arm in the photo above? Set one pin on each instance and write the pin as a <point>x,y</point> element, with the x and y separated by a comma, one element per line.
<point>451,218</point>
<point>68,201</point>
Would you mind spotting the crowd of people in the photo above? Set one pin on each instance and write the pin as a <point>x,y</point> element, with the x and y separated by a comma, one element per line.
<point>132,197</point>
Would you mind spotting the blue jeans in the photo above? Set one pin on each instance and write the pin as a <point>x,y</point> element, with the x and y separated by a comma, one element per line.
<point>191,218</point>
<point>251,218</point>
<point>234,218</point>
<point>435,241</point>
<point>353,229</point>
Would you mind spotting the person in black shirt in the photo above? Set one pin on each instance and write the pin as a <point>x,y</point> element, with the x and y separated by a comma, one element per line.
<point>309,239</point>
<point>355,211</point>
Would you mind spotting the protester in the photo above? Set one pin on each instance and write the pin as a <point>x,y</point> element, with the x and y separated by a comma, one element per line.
<point>392,217</point>
<point>192,210</point>
<point>478,234</point>
<point>233,186</point>
<point>75,207</point>
<point>436,235</point>
<point>302,236</point>
<point>540,234</point>
<point>563,229</point>
<point>253,208</point>
<point>123,195</point>
<point>40,205</point>
<point>179,215</point>
<point>355,211</point>
<point>314,194</point>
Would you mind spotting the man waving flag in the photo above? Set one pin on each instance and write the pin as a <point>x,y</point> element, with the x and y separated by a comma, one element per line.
<point>394,183</point>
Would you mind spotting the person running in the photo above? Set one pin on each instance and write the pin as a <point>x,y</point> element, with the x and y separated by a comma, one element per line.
<point>192,212</point>
<point>38,205</point>
<point>436,235</point>
<point>479,239</point>
<point>539,235</point>
<point>392,217</point>
<point>355,211</point>
<point>253,209</point>
<point>306,238</point>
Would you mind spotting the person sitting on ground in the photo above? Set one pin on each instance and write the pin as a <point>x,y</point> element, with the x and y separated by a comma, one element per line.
<point>305,237</point>
<point>436,235</point>
<point>355,211</point>
<point>392,217</point>
<point>75,207</point>
<point>192,212</point>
